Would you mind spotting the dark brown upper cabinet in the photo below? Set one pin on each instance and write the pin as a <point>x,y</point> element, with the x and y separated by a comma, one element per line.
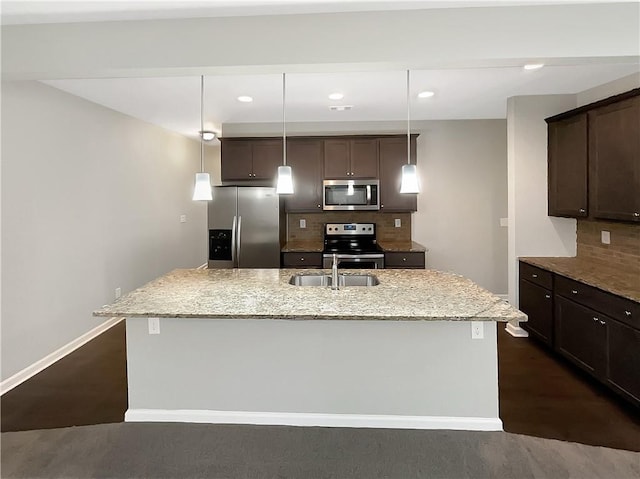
<point>567,155</point>
<point>393,155</point>
<point>350,158</point>
<point>252,159</point>
<point>305,155</point>
<point>594,160</point>
<point>614,156</point>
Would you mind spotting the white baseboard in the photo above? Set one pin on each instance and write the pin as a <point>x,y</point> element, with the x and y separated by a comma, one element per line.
<point>514,329</point>
<point>313,419</point>
<point>30,371</point>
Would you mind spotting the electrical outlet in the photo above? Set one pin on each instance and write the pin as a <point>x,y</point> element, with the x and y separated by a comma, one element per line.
<point>397,222</point>
<point>154,325</point>
<point>183,218</point>
<point>477,329</point>
<point>118,292</point>
<point>605,237</point>
<point>303,223</point>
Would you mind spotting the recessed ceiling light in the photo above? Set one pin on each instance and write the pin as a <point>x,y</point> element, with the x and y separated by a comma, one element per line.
<point>208,135</point>
<point>340,107</point>
<point>336,96</point>
<point>533,66</point>
<point>245,99</point>
<point>425,94</point>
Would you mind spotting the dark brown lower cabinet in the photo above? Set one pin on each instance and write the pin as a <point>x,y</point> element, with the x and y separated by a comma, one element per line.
<point>581,336</point>
<point>301,260</point>
<point>537,303</point>
<point>597,331</point>
<point>404,260</point>
<point>623,374</point>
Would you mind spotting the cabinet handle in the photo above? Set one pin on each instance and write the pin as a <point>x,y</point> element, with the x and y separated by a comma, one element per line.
<point>404,259</point>
<point>628,313</point>
<point>582,210</point>
<point>534,275</point>
<point>381,206</point>
<point>574,291</point>
<point>603,323</point>
<point>636,214</point>
<point>319,206</point>
<point>596,319</point>
<point>548,296</point>
<point>302,259</point>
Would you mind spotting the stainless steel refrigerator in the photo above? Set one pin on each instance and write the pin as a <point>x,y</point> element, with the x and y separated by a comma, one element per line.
<point>244,227</point>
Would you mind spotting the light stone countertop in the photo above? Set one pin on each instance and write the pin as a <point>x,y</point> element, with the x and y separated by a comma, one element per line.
<point>303,247</point>
<point>266,294</point>
<point>402,246</point>
<point>617,280</point>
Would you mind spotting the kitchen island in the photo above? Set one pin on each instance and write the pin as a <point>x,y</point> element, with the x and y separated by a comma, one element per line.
<point>245,346</point>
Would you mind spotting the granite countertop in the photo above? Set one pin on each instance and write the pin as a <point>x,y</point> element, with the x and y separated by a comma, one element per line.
<point>401,246</point>
<point>266,294</point>
<point>621,281</point>
<point>303,247</point>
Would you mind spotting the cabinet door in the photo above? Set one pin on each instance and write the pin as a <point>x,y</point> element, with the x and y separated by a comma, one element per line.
<point>305,158</point>
<point>624,360</point>
<point>614,158</point>
<point>364,158</point>
<point>393,155</point>
<point>581,335</point>
<point>537,303</point>
<point>408,260</point>
<point>267,156</point>
<point>567,163</point>
<point>236,160</point>
<point>337,163</point>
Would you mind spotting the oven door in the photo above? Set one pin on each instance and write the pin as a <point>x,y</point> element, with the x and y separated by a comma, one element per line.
<point>355,261</point>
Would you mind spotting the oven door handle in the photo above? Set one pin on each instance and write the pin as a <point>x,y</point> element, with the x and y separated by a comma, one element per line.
<point>355,255</point>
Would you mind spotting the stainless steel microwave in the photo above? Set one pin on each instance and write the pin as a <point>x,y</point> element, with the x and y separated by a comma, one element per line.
<point>350,195</point>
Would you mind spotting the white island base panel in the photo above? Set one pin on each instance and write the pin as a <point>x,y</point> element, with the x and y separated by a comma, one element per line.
<point>336,373</point>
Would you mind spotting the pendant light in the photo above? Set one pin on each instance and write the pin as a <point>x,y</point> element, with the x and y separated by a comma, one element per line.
<point>202,190</point>
<point>285,177</point>
<point>409,173</point>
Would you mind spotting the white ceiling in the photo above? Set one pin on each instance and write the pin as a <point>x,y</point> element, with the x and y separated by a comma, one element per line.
<point>55,11</point>
<point>174,103</point>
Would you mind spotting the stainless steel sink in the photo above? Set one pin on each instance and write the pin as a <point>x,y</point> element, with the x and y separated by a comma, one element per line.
<point>314,279</point>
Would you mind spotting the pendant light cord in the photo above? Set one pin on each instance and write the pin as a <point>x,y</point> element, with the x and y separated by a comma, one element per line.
<point>202,123</point>
<point>284,123</point>
<point>408,122</point>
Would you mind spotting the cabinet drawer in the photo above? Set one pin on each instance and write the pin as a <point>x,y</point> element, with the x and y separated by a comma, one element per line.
<point>537,303</point>
<point>302,260</point>
<point>622,309</point>
<point>404,260</point>
<point>536,275</point>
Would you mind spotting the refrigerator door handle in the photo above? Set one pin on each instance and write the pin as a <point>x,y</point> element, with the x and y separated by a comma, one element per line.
<point>238,241</point>
<point>233,240</point>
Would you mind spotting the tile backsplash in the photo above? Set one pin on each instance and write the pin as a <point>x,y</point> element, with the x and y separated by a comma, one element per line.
<point>624,249</point>
<point>385,229</point>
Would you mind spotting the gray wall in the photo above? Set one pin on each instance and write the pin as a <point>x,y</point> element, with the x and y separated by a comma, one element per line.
<point>91,201</point>
<point>463,172</point>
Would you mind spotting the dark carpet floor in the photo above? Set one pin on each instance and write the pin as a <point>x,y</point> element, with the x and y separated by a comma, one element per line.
<point>138,450</point>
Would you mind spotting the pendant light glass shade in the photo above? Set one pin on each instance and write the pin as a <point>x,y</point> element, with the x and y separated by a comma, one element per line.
<point>285,181</point>
<point>409,179</point>
<point>409,182</point>
<point>202,191</point>
<point>284,186</point>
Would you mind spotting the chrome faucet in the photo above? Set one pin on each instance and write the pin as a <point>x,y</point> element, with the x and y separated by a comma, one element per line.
<point>334,272</point>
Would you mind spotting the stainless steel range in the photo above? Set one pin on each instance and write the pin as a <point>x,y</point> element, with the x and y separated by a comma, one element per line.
<point>354,244</point>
